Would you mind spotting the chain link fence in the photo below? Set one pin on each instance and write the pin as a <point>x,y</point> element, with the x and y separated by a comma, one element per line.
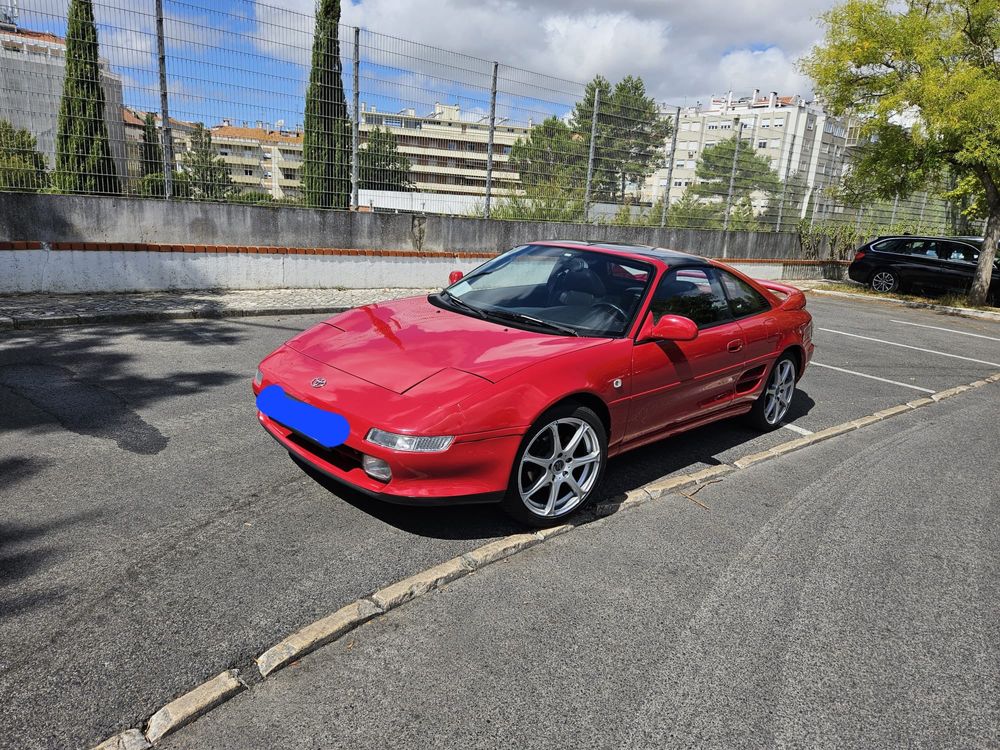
<point>257,103</point>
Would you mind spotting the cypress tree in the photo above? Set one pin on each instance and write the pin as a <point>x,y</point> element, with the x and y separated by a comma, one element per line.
<point>83,154</point>
<point>150,152</point>
<point>326,148</point>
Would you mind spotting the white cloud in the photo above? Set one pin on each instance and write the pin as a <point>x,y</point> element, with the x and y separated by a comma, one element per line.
<point>685,51</point>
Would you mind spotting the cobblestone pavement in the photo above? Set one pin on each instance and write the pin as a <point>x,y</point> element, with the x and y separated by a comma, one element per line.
<point>31,310</point>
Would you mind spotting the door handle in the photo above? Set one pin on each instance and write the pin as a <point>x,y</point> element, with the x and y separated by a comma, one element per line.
<point>735,345</point>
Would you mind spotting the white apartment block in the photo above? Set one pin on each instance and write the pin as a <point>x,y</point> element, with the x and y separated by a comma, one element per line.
<point>447,153</point>
<point>807,147</point>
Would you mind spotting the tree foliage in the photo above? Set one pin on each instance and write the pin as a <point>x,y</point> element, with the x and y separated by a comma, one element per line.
<point>381,166</point>
<point>208,173</point>
<point>150,150</point>
<point>151,186</point>
<point>326,178</point>
<point>714,172</point>
<point>83,153</point>
<point>22,166</point>
<point>924,81</point>
<point>628,146</point>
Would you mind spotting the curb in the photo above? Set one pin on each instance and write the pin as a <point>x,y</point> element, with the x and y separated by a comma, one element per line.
<point>141,316</point>
<point>962,312</point>
<point>224,686</point>
<point>193,704</point>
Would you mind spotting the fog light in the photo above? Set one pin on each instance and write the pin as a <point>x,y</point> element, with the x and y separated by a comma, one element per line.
<point>258,377</point>
<point>376,468</point>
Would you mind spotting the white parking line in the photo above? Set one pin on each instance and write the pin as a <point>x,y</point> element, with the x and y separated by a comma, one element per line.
<point>795,428</point>
<point>872,377</point>
<point>949,330</point>
<point>915,348</point>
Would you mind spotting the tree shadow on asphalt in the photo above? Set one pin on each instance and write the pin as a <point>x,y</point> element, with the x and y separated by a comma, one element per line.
<point>19,565</point>
<point>74,379</point>
<point>627,472</point>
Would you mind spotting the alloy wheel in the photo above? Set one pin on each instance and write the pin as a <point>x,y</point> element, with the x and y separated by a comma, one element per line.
<point>779,392</point>
<point>559,467</point>
<point>883,281</point>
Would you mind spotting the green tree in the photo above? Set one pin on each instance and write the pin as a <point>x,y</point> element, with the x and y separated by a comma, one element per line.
<point>924,81</point>
<point>251,196</point>
<point>639,133</point>
<point>83,154</point>
<point>326,149</point>
<point>150,150</point>
<point>714,172</point>
<point>630,139</point>
<point>380,164</point>
<point>690,212</point>
<point>603,179</point>
<point>207,172</point>
<point>22,166</point>
<point>550,154</point>
<point>151,186</point>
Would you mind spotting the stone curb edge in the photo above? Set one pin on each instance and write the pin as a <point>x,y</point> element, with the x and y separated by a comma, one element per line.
<point>962,312</point>
<point>224,686</point>
<point>144,316</point>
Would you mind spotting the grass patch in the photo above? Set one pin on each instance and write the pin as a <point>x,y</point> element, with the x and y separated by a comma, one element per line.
<point>952,299</point>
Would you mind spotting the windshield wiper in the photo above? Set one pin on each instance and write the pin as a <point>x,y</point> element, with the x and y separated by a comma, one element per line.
<point>461,303</point>
<point>522,318</point>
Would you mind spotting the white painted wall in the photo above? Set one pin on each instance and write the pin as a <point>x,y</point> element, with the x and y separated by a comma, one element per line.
<point>116,271</point>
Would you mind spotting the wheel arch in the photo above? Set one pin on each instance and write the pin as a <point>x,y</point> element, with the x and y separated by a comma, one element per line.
<point>798,355</point>
<point>584,398</point>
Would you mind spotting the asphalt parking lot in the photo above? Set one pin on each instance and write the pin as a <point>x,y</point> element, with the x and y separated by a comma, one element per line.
<point>152,535</point>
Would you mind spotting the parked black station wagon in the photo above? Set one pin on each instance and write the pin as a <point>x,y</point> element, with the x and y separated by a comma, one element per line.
<point>940,264</point>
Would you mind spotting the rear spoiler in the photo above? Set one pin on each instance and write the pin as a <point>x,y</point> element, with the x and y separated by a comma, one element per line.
<point>790,297</point>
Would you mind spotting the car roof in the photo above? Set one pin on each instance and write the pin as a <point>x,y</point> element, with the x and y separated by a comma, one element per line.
<point>663,254</point>
<point>963,238</point>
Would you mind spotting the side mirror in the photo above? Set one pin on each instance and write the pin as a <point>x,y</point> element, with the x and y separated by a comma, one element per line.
<point>669,328</point>
<point>454,277</point>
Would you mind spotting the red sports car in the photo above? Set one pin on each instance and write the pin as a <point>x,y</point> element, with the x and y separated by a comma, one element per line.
<point>520,380</point>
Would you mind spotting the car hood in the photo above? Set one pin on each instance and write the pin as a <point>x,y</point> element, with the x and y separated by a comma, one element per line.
<point>398,344</point>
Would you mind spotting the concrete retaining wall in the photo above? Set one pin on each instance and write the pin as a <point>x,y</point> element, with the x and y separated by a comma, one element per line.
<point>80,218</point>
<point>102,267</point>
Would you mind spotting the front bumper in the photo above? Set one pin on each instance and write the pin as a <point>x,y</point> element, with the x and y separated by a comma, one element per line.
<point>469,471</point>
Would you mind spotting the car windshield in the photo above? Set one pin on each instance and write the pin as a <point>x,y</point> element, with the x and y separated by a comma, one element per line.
<point>559,290</point>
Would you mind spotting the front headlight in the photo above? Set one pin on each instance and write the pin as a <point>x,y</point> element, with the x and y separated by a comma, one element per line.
<point>409,443</point>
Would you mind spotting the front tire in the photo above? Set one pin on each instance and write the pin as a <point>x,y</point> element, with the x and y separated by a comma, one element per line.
<point>558,467</point>
<point>884,282</point>
<point>772,404</point>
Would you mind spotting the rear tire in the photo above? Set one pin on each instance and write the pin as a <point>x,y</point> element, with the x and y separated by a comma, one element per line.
<point>559,466</point>
<point>771,406</point>
<point>884,282</point>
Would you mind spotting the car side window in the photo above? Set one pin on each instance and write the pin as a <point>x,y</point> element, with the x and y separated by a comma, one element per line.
<point>962,252</point>
<point>743,298</point>
<point>694,293</point>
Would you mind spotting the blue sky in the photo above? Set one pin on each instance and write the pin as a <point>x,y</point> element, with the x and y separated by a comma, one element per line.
<point>248,61</point>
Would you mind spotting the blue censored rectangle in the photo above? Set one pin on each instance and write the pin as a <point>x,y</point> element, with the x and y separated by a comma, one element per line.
<point>326,428</point>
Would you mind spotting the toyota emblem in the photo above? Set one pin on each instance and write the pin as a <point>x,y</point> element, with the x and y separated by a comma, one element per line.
<point>318,382</point>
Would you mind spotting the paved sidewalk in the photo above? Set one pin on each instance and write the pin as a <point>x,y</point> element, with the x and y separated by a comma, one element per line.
<point>34,310</point>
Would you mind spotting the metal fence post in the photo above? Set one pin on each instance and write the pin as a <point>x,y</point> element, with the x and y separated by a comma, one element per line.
<point>489,143</point>
<point>895,204</point>
<point>738,135</point>
<point>590,158</point>
<point>356,124</point>
<point>670,168</point>
<point>165,130</point>
<point>784,183</point>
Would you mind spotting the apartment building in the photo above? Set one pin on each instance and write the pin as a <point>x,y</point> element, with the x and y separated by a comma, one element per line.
<point>807,147</point>
<point>447,153</point>
<point>32,69</point>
